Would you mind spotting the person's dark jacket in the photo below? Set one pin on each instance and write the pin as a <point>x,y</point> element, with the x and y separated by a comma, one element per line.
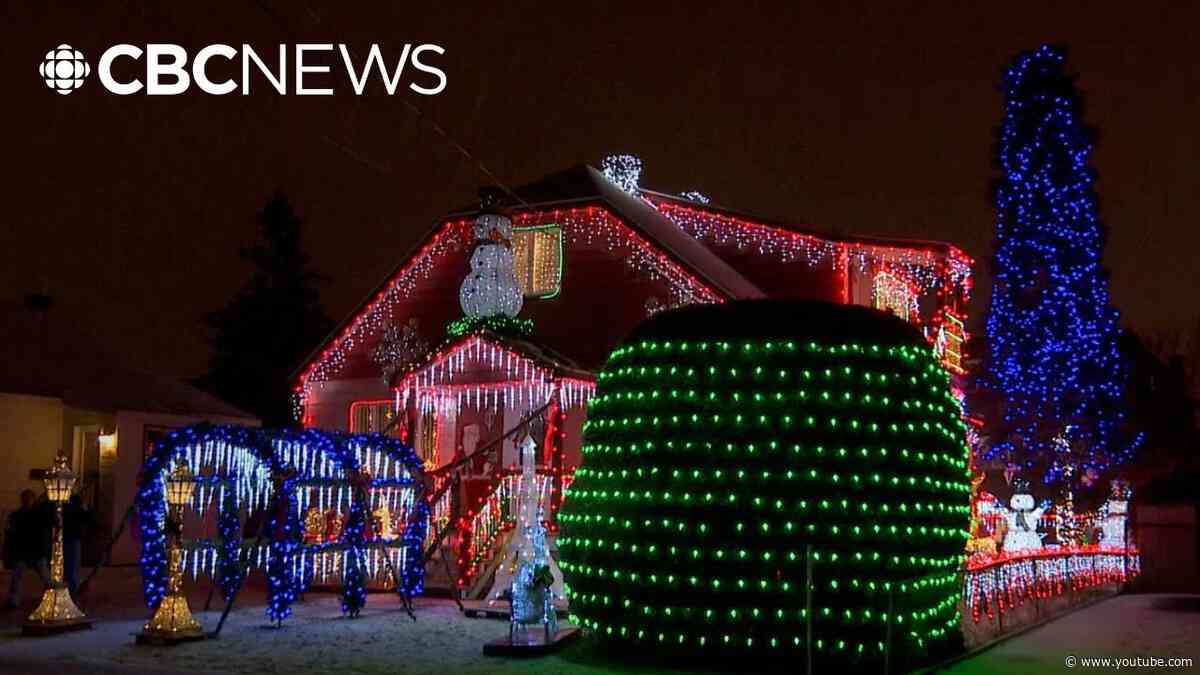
<point>28,537</point>
<point>76,520</point>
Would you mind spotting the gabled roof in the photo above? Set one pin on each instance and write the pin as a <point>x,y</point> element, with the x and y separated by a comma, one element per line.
<point>577,186</point>
<point>585,183</point>
<point>583,186</point>
<point>941,247</point>
<point>539,356</point>
<point>45,354</point>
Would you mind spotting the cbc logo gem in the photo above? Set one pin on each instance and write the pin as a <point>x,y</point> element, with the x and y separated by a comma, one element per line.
<point>63,69</point>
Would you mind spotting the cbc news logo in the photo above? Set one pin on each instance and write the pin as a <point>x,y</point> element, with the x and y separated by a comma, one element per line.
<point>63,69</point>
<point>303,69</point>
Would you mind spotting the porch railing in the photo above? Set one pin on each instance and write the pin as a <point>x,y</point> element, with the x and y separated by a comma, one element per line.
<point>498,515</point>
<point>451,524</point>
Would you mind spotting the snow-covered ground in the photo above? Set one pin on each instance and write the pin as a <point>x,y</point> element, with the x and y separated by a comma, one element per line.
<point>384,640</point>
<point>316,639</point>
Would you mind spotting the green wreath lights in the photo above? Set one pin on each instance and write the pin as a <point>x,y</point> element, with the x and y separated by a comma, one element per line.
<point>730,451</point>
<point>501,325</point>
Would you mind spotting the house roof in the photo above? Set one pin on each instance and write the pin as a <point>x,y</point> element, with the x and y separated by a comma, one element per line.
<point>585,183</point>
<point>46,354</point>
<point>942,247</point>
<point>539,355</point>
<point>579,185</point>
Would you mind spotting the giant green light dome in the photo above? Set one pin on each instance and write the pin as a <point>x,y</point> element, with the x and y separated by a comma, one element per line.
<point>732,449</point>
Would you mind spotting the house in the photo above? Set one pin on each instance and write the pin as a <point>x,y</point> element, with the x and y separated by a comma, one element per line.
<point>61,391</point>
<point>594,258</point>
<point>593,255</point>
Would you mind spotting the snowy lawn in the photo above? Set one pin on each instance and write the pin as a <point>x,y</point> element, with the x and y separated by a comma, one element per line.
<point>384,640</point>
<point>316,639</point>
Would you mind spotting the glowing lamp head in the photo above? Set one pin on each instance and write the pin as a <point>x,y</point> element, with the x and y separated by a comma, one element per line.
<point>59,480</point>
<point>180,486</point>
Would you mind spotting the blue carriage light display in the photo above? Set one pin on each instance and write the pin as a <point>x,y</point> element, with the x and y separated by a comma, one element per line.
<point>273,477</point>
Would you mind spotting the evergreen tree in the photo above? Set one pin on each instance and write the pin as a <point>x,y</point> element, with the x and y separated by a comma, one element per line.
<point>1051,330</point>
<point>273,322</point>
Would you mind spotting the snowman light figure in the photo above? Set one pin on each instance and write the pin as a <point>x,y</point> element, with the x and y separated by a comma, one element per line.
<point>1116,511</point>
<point>491,289</point>
<point>1022,519</point>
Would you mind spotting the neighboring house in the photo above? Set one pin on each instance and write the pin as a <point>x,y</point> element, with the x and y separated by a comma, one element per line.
<point>61,391</point>
<point>593,260</point>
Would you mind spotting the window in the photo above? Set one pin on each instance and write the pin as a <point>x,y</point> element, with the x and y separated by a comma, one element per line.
<point>427,440</point>
<point>538,260</point>
<point>949,346</point>
<point>892,294</point>
<point>368,417</point>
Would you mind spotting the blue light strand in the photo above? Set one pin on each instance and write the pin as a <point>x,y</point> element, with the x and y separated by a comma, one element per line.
<point>354,591</point>
<point>229,563</point>
<point>284,531</point>
<point>152,515</point>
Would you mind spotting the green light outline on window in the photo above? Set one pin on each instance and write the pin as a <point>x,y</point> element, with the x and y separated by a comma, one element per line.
<point>562,260</point>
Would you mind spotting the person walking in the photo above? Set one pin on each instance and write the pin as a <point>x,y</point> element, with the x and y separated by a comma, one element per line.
<point>26,545</point>
<point>76,520</point>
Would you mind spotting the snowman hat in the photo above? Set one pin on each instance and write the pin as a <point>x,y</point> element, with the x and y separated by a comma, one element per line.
<point>490,199</point>
<point>1020,486</point>
<point>1119,490</point>
<point>492,222</point>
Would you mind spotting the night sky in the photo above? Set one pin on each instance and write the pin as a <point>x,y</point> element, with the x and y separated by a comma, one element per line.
<point>850,118</point>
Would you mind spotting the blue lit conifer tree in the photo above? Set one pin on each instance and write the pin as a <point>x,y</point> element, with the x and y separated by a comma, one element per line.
<point>1051,330</point>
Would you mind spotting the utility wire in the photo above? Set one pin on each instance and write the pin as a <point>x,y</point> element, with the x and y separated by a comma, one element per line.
<point>412,107</point>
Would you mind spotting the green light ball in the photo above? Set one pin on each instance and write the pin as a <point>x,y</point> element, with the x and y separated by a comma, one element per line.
<point>732,450</point>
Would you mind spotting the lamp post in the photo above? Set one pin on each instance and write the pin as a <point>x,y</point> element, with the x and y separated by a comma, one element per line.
<point>172,622</point>
<point>57,612</point>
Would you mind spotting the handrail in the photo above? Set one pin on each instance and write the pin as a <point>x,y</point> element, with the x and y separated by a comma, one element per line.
<point>983,562</point>
<point>441,492</point>
<point>436,537</point>
<point>491,444</point>
<point>454,477</point>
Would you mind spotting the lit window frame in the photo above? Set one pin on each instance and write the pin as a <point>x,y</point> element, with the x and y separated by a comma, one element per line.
<point>886,288</point>
<point>951,341</point>
<point>524,276</point>
<point>371,403</point>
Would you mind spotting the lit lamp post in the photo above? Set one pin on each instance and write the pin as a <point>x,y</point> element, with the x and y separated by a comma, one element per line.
<point>57,611</point>
<point>172,622</point>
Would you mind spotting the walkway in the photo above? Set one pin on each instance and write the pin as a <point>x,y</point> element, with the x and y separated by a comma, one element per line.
<point>1127,626</point>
